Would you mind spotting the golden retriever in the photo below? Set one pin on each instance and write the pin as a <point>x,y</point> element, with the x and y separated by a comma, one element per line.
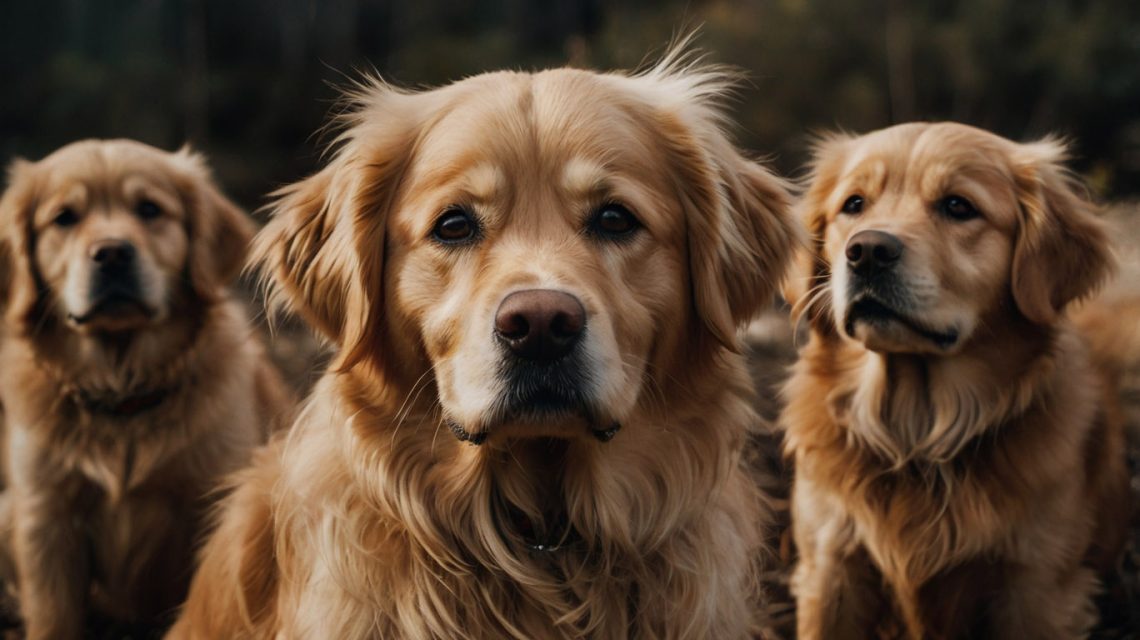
<point>956,475</point>
<point>130,380</point>
<point>534,423</point>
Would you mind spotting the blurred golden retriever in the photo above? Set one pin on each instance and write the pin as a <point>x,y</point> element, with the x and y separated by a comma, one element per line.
<point>955,472</point>
<point>130,381</point>
<point>534,424</point>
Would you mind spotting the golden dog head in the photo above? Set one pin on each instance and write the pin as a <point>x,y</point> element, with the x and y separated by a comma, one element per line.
<point>535,241</point>
<point>106,236</point>
<point>923,233</point>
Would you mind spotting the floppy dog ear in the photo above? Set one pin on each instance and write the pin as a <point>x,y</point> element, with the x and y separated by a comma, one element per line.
<point>805,288</point>
<point>19,291</point>
<point>324,246</point>
<point>307,249</point>
<point>737,213</point>
<point>1062,251</point>
<point>739,244</point>
<point>220,232</point>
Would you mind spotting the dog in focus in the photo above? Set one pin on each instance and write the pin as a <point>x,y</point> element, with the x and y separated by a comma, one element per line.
<point>534,423</point>
<point>130,381</point>
<point>957,474</point>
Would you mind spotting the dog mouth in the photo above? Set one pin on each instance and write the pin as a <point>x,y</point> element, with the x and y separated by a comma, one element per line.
<point>114,306</point>
<point>869,309</point>
<point>540,399</point>
<point>602,432</point>
<point>540,412</point>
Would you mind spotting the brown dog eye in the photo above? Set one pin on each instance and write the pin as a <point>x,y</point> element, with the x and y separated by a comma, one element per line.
<point>455,226</point>
<point>148,210</point>
<point>65,218</point>
<point>613,221</point>
<point>957,208</point>
<point>853,205</point>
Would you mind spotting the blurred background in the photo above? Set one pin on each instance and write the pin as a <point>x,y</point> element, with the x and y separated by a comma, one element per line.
<point>249,81</point>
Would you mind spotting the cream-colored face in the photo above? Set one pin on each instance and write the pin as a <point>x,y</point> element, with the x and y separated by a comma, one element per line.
<point>109,237</point>
<point>556,199</point>
<point>919,236</point>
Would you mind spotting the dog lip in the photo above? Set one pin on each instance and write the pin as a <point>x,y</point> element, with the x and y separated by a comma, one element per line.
<point>116,299</point>
<point>867,306</point>
<point>463,435</point>
<point>545,400</point>
<point>547,405</point>
<point>541,392</point>
<point>602,434</point>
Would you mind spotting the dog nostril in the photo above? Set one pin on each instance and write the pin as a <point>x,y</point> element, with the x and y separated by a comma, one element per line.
<point>512,326</point>
<point>566,325</point>
<point>540,324</point>
<point>870,252</point>
<point>113,254</point>
<point>884,254</point>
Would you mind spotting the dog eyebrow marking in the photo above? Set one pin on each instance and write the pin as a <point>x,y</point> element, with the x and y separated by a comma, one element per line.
<point>75,195</point>
<point>483,181</point>
<point>870,176</point>
<point>583,177</point>
<point>137,187</point>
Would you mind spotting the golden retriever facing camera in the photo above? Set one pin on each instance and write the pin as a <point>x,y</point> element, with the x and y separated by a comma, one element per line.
<point>130,381</point>
<point>956,474</point>
<point>534,424</point>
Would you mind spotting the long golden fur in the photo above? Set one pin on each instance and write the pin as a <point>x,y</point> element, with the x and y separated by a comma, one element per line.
<point>131,382</point>
<point>372,520</point>
<point>1110,321</point>
<point>955,473</point>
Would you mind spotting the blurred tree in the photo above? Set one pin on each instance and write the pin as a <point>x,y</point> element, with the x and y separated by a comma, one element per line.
<point>248,81</point>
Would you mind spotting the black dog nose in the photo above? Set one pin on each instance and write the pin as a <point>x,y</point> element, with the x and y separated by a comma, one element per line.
<point>112,255</point>
<point>869,252</point>
<point>540,324</point>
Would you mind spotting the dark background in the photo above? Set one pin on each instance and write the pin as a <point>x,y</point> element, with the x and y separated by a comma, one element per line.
<point>248,81</point>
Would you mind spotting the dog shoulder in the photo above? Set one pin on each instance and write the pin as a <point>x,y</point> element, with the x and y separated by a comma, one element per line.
<point>234,592</point>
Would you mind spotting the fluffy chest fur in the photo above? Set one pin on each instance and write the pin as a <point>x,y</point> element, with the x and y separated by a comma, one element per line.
<point>108,482</point>
<point>999,498</point>
<point>116,423</point>
<point>409,533</point>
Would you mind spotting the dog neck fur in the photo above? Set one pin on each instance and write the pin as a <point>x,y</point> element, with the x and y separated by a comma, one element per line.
<point>120,364</point>
<point>643,508</point>
<point>911,407</point>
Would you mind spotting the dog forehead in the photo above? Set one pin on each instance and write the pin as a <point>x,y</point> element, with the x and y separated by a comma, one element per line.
<point>927,162</point>
<point>104,169</point>
<point>104,156</point>
<point>536,123</point>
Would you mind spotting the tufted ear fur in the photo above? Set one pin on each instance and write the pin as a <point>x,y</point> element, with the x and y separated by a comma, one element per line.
<point>323,248</point>
<point>806,286</point>
<point>220,232</point>
<point>19,291</point>
<point>1062,251</point>
<point>739,254</point>
<point>739,228</point>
